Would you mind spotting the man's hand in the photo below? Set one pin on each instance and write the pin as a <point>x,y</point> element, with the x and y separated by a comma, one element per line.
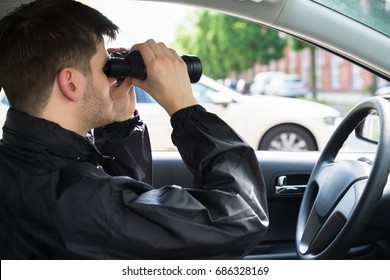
<point>167,78</point>
<point>123,95</point>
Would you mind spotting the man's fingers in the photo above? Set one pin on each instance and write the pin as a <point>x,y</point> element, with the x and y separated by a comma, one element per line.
<point>110,50</point>
<point>149,50</point>
<point>174,53</point>
<point>166,51</point>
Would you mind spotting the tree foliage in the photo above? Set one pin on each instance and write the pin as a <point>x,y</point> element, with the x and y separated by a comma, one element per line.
<point>298,45</point>
<point>228,44</point>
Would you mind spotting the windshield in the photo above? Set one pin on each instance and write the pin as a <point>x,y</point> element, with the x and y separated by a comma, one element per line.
<point>373,13</point>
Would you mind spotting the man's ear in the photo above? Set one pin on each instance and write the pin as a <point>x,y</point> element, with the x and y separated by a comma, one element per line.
<point>69,83</point>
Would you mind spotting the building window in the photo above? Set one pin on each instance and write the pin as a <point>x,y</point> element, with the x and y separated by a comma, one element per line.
<point>335,72</point>
<point>356,77</point>
<point>281,65</point>
<point>292,60</point>
<point>319,60</point>
<point>305,69</point>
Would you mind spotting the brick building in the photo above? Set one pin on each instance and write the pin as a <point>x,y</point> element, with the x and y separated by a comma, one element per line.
<point>333,73</point>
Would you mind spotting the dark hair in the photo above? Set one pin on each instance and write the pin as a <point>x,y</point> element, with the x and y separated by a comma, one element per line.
<point>39,39</point>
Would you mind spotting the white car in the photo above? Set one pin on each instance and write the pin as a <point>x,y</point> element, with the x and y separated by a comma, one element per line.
<point>383,90</point>
<point>286,85</point>
<point>262,80</point>
<point>281,127</point>
<point>281,124</point>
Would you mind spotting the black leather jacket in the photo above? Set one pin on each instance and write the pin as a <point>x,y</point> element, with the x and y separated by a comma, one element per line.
<point>62,199</point>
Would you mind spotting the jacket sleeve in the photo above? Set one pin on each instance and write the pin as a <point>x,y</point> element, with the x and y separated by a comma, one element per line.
<point>126,147</point>
<point>218,157</point>
<point>223,215</point>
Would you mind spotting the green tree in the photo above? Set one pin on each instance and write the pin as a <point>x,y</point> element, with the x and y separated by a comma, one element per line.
<point>228,44</point>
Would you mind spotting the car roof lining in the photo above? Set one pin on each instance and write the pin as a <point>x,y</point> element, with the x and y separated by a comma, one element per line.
<point>268,9</point>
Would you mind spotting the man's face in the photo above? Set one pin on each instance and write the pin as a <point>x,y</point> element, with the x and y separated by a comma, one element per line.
<point>98,104</point>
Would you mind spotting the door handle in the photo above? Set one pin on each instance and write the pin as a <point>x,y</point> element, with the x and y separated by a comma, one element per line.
<point>281,187</point>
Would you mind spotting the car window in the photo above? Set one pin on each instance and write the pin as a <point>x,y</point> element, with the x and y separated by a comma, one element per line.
<point>142,96</point>
<point>291,102</point>
<point>275,107</point>
<point>3,98</point>
<point>202,93</point>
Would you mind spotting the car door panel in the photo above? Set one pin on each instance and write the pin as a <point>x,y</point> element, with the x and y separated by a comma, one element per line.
<point>168,168</point>
<point>279,242</point>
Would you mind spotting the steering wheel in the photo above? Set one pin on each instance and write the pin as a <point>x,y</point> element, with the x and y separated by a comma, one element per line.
<point>341,196</point>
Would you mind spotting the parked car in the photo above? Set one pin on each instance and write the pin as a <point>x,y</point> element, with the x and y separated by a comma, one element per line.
<point>279,130</point>
<point>265,122</point>
<point>262,80</point>
<point>287,85</point>
<point>383,90</point>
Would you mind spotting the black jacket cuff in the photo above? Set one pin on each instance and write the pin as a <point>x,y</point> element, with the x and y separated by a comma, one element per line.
<point>123,128</point>
<point>186,113</point>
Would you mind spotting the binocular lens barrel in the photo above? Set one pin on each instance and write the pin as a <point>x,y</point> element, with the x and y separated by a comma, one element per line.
<point>130,64</point>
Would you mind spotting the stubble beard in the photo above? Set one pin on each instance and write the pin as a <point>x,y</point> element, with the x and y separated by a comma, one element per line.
<point>94,107</point>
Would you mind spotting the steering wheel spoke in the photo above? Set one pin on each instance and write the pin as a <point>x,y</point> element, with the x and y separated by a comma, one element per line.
<point>319,231</point>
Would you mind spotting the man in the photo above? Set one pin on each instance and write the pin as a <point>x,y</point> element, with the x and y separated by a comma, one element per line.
<point>62,197</point>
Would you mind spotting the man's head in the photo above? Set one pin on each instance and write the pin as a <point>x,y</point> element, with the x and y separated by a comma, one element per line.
<point>40,39</point>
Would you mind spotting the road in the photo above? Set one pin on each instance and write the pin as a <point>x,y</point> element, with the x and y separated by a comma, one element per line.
<point>343,102</point>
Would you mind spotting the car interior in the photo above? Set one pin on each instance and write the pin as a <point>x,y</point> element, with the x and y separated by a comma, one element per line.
<point>327,204</point>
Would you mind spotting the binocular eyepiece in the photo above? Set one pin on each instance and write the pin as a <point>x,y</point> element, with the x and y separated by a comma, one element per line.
<point>130,64</point>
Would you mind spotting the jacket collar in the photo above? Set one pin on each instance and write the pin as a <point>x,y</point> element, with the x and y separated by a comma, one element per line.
<point>25,132</point>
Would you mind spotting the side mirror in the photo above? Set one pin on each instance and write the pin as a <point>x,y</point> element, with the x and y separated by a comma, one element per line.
<point>221,98</point>
<point>368,129</point>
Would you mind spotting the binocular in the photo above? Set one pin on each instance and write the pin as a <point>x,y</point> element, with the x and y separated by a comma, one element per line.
<point>130,64</point>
